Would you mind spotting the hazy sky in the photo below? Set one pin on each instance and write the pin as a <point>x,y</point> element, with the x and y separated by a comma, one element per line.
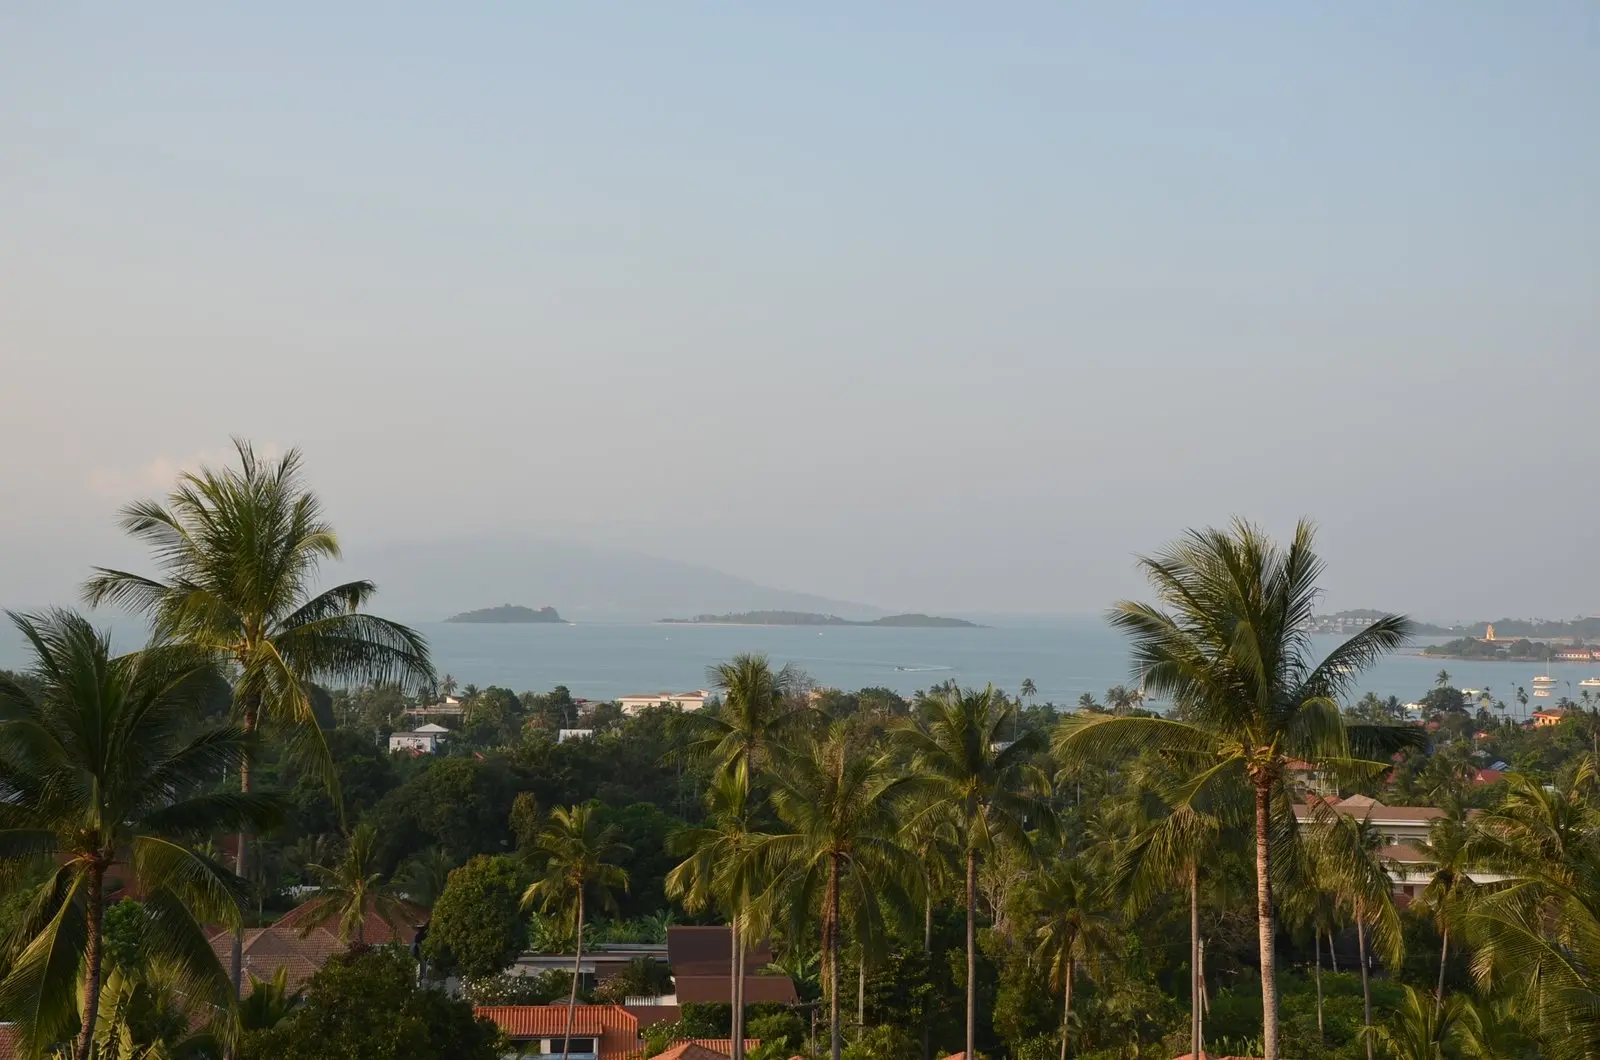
<point>940,306</point>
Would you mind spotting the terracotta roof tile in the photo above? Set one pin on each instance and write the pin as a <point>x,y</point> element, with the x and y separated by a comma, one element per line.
<point>690,1051</point>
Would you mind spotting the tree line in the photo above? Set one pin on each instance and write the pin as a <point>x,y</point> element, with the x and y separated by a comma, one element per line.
<point>1000,879</point>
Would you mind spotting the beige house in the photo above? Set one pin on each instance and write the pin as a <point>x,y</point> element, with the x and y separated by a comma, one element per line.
<point>632,705</point>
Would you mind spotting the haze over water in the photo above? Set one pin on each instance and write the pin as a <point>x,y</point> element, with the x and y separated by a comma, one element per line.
<point>1065,658</point>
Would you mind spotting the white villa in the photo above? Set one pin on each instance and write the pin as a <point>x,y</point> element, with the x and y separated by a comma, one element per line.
<point>573,734</point>
<point>632,705</point>
<point>424,739</point>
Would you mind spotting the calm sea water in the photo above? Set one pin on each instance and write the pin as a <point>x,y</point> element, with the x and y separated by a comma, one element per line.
<point>1065,658</point>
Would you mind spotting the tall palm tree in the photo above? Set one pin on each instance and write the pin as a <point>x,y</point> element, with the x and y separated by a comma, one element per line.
<point>933,839</point>
<point>1228,646</point>
<point>238,550</point>
<point>716,870</point>
<point>1178,828</point>
<point>839,845</point>
<point>1028,689</point>
<point>99,772</point>
<point>1346,856</point>
<point>1447,854</point>
<point>1420,1030</point>
<point>578,853</point>
<point>1538,935</point>
<point>758,715</point>
<point>351,889</point>
<point>1442,679</point>
<point>991,787</point>
<point>1074,928</point>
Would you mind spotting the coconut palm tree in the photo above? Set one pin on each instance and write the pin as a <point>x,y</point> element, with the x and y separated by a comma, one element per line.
<point>1537,936</point>
<point>716,870</point>
<point>1228,646</point>
<point>1346,857</point>
<point>991,788</point>
<point>1422,1030</point>
<point>1178,827</point>
<point>238,550</point>
<point>1495,1030</point>
<point>934,840</point>
<point>758,715</point>
<point>1522,698</point>
<point>1448,855</point>
<point>1074,929</point>
<point>578,853</point>
<point>99,772</point>
<point>1442,679</point>
<point>838,849</point>
<point>352,888</point>
<point>1028,689</point>
<point>269,1001</point>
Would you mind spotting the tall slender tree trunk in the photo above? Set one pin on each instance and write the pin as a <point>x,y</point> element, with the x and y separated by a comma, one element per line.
<point>1444,955</point>
<point>972,956</point>
<point>1196,976</point>
<point>1317,939</point>
<point>861,992</point>
<point>94,956</point>
<point>927,955</point>
<point>1266,926</point>
<point>572,998</point>
<point>1366,986</point>
<point>252,710</point>
<point>1066,1004</point>
<point>736,988</point>
<point>831,930</point>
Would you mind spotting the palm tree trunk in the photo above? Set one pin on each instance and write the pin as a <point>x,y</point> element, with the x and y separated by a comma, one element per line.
<point>572,998</point>
<point>1317,938</point>
<point>1333,954</point>
<point>93,957</point>
<point>972,956</point>
<point>831,931</point>
<point>1196,980</point>
<point>1266,926</point>
<point>735,989</point>
<point>1444,955</point>
<point>1066,1005</point>
<point>861,992</point>
<point>1366,987</point>
<point>927,954</point>
<point>252,708</point>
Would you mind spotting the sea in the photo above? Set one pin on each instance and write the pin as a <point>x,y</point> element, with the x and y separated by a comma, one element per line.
<point>1064,657</point>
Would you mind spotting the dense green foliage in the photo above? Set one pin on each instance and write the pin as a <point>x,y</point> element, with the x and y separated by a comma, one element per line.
<point>477,928</point>
<point>367,1006</point>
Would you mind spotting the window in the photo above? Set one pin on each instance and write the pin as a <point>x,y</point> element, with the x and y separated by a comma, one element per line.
<point>553,1046</point>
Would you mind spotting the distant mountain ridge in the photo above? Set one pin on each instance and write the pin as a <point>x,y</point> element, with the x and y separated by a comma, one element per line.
<point>809,618</point>
<point>508,613</point>
<point>419,581</point>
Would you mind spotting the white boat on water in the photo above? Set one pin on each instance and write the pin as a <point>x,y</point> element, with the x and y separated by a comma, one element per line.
<point>1590,682</point>
<point>1545,680</point>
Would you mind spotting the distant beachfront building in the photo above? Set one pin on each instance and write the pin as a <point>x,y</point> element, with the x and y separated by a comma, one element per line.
<point>573,734</point>
<point>424,740</point>
<point>632,705</point>
<point>450,710</point>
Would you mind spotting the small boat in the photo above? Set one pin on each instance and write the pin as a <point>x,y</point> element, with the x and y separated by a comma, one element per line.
<point>1545,680</point>
<point>1590,682</point>
<point>1544,692</point>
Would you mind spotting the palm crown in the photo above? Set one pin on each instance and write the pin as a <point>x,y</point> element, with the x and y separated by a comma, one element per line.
<point>100,774</point>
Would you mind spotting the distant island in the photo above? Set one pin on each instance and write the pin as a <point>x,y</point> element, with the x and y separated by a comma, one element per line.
<point>508,613</point>
<point>1489,650</point>
<point>808,618</point>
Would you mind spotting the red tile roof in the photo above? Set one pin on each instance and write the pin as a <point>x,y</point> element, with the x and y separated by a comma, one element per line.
<point>281,944</point>
<point>690,1051</point>
<point>720,1046</point>
<point>616,1029</point>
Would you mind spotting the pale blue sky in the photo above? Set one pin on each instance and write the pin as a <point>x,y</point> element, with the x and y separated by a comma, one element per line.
<point>927,305</point>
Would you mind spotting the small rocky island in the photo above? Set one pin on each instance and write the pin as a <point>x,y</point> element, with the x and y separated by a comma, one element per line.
<point>508,613</point>
<point>808,618</point>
